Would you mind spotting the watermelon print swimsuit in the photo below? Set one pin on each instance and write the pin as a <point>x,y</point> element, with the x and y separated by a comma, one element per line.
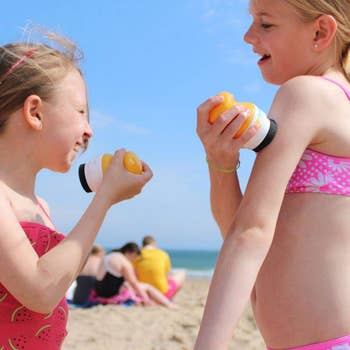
<point>21,328</point>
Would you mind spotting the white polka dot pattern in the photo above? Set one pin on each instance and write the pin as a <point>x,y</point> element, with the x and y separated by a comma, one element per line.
<point>319,172</point>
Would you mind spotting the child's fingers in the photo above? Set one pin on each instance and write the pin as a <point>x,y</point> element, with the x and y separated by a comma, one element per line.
<point>147,171</point>
<point>230,118</point>
<point>209,104</point>
<point>204,109</point>
<point>118,156</point>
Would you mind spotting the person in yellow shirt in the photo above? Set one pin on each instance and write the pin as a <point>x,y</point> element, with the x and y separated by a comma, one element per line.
<point>153,266</point>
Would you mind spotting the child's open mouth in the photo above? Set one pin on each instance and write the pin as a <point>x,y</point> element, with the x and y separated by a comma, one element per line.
<point>264,58</point>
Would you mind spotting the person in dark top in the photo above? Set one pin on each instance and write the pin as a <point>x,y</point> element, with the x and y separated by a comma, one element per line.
<point>85,281</point>
<point>116,276</point>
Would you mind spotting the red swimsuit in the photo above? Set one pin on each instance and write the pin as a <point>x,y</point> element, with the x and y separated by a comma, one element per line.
<point>21,328</point>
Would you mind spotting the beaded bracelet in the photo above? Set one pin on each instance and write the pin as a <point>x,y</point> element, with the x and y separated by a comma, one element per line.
<point>224,171</point>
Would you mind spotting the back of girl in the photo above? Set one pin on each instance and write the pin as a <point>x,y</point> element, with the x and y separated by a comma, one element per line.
<point>117,281</point>
<point>287,238</point>
<point>44,124</point>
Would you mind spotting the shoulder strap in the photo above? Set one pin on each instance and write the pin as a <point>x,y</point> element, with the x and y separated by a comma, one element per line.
<point>45,212</point>
<point>346,91</point>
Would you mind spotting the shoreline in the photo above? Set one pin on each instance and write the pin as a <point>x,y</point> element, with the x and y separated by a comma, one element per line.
<point>113,327</point>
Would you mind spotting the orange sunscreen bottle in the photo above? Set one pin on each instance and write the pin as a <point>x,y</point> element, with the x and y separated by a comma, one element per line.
<point>267,127</point>
<point>91,173</point>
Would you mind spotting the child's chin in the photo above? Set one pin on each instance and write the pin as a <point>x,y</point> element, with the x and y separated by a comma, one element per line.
<point>62,169</point>
<point>66,169</point>
<point>272,80</point>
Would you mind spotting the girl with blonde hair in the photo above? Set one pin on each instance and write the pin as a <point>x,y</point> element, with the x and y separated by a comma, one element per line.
<point>286,239</point>
<point>44,124</point>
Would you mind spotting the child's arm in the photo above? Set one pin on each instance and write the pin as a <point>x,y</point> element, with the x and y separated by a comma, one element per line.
<point>40,283</point>
<point>249,237</point>
<point>223,153</point>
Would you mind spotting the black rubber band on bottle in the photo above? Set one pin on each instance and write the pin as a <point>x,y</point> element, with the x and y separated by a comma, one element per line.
<point>82,178</point>
<point>269,136</point>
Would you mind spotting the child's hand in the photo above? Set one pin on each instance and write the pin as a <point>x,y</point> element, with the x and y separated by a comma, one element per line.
<point>217,139</point>
<point>119,184</point>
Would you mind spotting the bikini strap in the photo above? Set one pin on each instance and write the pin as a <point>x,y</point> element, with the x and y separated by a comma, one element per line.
<point>45,212</point>
<point>346,91</point>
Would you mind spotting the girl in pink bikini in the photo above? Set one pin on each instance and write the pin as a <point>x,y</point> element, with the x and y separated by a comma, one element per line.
<point>287,238</point>
<point>44,124</point>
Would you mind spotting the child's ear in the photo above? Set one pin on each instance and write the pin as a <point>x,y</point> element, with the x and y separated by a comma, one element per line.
<point>325,30</point>
<point>32,112</point>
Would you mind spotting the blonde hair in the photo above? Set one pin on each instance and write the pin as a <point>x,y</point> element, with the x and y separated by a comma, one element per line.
<point>97,250</point>
<point>309,10</point>
<point>29,68</point>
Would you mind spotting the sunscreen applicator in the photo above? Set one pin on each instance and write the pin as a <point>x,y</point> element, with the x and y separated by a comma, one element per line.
<point>91,173</point>
<point>267,127</point>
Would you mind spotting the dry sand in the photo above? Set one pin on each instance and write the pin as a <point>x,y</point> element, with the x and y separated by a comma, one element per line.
<point>152,328</point>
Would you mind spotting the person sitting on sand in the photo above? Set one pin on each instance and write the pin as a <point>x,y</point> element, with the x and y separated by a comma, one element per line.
<point>86,279</point>
<point>117,282</point>
<point>153,266</point>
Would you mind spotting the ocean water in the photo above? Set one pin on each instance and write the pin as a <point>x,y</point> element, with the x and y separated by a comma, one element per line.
<point>196,263</point>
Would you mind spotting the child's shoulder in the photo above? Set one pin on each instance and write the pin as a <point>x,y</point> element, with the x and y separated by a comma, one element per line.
<point>312,88</point>
<point>308,94</point>
<point>304,86</point>
<point>5,196</point>
<point>7,203</point>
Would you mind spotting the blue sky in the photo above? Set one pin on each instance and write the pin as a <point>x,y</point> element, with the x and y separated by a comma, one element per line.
<point>148,64</point>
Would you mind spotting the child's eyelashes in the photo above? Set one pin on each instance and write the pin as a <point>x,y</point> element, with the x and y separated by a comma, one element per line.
<point>259,24</point>
<point>82,112</point>
<point>265,25</point>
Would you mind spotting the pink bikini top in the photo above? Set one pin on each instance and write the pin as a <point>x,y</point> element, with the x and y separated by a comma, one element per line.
<point>320,172</point>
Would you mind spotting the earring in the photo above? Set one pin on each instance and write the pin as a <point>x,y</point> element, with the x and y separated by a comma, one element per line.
<point>315,46</point>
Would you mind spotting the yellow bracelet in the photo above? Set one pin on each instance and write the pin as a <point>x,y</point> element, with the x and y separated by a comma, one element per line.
<point>224,171</point>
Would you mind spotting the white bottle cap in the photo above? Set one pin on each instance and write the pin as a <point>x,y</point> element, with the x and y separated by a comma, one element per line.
<point>90,174</point>
<point>265,134</point>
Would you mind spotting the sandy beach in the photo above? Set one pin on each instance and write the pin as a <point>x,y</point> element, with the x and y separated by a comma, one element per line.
<point>152,328</point>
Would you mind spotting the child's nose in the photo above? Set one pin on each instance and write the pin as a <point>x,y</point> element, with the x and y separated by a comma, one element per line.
<point>250,37</point>
<point>88,133</point>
